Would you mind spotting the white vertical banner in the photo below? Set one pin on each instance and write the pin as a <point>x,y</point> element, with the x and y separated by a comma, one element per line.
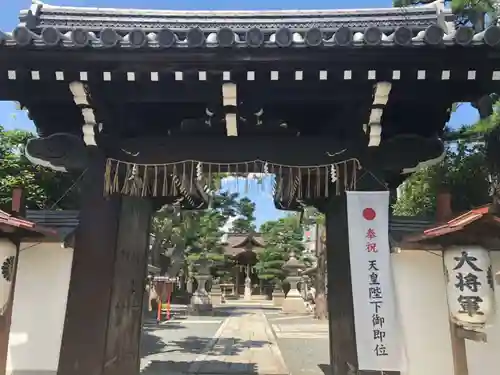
<point>377,330</point>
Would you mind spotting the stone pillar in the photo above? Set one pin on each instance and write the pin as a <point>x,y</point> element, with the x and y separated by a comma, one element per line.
<point>237,282</point>
<point>189,280</point>
<point>293,303</point>
<point>278,295</point>
<point>294,290</point>
<point>216,294</point>
<point>305,286</point>
<point>200,300</point>
<point>248,284</point>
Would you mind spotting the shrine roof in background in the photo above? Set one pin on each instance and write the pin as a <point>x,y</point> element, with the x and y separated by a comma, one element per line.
<point>237,243</point>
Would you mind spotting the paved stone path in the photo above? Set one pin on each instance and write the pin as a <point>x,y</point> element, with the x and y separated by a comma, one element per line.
<point>244,344</point>
<point>301,331</point>
<point>237,340</point>
<point>170,347</point>
<point>304,343</point>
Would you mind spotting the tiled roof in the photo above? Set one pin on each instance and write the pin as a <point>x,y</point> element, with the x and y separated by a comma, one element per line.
<point>23,225</point>
<point>236,243</point>
<point>456,224</point>
<point>404,36</point>
<point>70,27</point>
<point>54,219</point>
<point>66,18</point>
<point>238,240</point>
<point>63,222</point>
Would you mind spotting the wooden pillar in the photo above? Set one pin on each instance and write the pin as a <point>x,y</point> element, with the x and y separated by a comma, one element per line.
<point>343,353</point>
<point>103,316</point>
<point>340,304</point>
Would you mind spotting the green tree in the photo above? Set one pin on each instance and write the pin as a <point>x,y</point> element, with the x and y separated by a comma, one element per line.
<point>270,263</point>
<point>197,233</point>
<point>44,188</point>
<point>316,218</point>
<point>467,11</point>
<point>282,237</point>
<point>463,173</point>
<point>245,210</point>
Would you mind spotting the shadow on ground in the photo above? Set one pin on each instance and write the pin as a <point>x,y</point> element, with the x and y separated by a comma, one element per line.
<point>327,369</point>
<point>151,344</point>
<point>223,346</point>
<point>183,367</point>
<point>225,311</point>
<point>160,327</point>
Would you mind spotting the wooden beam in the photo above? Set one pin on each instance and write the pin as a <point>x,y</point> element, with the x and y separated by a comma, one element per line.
<point>222,58</point>
<point>190,90</point>
<point>230,104</point>
<point>215,149</point>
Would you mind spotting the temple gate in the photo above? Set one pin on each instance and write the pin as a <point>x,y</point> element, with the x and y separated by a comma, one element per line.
<point>149,105</point>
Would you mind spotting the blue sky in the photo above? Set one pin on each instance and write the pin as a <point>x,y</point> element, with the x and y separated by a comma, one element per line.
<point>10,118</point>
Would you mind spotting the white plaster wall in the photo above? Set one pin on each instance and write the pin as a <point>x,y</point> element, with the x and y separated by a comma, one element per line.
<point>421,294</point>
<point>39,309</point>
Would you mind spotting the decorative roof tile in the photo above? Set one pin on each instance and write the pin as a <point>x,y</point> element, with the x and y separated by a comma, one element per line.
<point>66,18</point>
<point>109,38</point>
<point>58,26</point>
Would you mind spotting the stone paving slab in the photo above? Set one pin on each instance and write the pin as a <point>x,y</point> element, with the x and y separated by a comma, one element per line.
<point>304,343</point>
<point>244,344</point>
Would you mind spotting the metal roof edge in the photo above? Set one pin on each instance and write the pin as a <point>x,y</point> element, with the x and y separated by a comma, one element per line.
<point>54,219</point>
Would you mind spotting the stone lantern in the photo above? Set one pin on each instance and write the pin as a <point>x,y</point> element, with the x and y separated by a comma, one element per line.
<point>304,287</point>
<point>294,303</point>
<point>200,300</point>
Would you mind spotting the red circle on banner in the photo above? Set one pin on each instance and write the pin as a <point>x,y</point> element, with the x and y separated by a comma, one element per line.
<point>369,214</point>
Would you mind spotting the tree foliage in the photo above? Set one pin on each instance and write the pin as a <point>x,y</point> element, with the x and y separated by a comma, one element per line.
<point>468,12</point>
<point>200,233</point>
<point>282,237</point>
<point>463,173</point>
<point>245,210</point>
<point>44,188</point>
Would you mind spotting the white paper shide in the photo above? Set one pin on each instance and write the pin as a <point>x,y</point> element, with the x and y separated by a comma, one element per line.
<point>470,286</point>
<point>376,325</point>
